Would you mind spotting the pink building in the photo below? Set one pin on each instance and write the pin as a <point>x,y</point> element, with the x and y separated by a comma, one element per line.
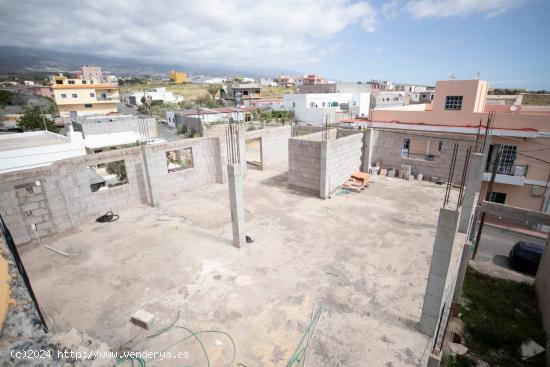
<point>40,90</point>
<point>92,72</point>
<point>422,136</point>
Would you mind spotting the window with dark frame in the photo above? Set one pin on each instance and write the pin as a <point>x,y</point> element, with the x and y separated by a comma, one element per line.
<point>453,102</point>
<point>497,197</point>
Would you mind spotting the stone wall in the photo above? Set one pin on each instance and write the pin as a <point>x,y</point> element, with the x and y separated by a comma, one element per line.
<point>386,146</point>
<point>53,199</point>
<point>274,143</point>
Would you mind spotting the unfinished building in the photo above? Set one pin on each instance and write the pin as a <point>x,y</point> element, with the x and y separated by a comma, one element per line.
<point>172,252</point>
<point>322,161</point>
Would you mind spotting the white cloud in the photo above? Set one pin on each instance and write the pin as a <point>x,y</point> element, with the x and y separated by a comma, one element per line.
<point>448,8</point>
<point>238,32</point>
<point>390,9</point>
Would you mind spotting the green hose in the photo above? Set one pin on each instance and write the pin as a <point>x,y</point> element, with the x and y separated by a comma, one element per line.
<point>142,362</point>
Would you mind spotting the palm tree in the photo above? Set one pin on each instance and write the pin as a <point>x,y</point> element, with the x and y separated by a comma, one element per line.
<point>213,89</point>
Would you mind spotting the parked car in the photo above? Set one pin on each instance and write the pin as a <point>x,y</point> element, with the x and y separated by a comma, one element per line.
<point>525,256</point>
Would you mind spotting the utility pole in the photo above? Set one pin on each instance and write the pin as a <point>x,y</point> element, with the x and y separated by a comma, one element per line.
<point>43,119</point>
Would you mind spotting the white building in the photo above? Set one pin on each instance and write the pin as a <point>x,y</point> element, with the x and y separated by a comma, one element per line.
<point>316,108</point>
<point>155,94</point>
<point>116,131</point>
<point>208,115</point>
<point>387,99</point>
<point>37,149</point>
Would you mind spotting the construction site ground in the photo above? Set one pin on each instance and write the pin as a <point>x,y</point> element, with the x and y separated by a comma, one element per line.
<point>363,256</point>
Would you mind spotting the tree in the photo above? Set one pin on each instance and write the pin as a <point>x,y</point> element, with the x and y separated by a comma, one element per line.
<point>33,119</point>
<point>5,98</point>
<point>213,89</point>
<point>204,101</point>
<point>117,168</point>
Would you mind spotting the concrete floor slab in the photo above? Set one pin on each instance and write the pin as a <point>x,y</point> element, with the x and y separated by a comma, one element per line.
<point>365,256</point>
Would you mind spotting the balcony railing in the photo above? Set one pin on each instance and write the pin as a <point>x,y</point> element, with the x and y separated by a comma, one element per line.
<point>107,98</point>
<point>510,169</point>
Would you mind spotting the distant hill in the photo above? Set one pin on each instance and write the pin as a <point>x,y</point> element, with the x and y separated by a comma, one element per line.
<point>20,60</point>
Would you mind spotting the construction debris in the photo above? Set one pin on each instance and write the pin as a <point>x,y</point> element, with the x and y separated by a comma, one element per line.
<point>143,319</point>
<point>358,182</point>
<point>56,250</point>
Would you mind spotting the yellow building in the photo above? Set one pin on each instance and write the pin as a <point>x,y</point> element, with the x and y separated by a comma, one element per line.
<point>178,76</point>
<point>85,96</point>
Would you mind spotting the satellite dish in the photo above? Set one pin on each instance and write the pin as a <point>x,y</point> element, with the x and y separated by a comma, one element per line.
<point>452,76</point>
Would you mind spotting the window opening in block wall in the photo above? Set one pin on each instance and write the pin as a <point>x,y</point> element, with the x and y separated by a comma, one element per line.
<point>107,175</point>
<point>177,160</point>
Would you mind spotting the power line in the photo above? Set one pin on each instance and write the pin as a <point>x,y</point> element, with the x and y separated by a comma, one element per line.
<point>535,158</point>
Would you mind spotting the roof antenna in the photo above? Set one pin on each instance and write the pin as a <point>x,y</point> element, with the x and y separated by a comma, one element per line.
<point>477,75</point>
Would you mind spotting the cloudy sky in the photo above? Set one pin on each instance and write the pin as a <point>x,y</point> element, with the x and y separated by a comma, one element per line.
<point>506,41</point>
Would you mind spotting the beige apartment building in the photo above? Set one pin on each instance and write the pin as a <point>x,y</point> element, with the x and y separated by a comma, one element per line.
<point>423,136</point>
<point>84,96</point>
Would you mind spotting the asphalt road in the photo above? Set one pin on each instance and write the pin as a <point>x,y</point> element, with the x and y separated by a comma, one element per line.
<point>167,133</point>
<point>492,255</point>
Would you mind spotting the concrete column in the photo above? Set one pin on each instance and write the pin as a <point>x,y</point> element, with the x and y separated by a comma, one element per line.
<point>152,189</point>
<point>473,186</point>
<point>367,149</point>
<point>439,267</point>
<point>236,203</point>
<point>324,172</point>
<point>461,273</point>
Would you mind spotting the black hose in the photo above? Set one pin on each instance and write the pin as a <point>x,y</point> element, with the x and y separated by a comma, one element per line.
<point>107,217</point>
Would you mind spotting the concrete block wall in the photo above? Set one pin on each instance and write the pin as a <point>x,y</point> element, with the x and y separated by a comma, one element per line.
<point>65,188</point>
<point>345,154</point>
<point>274,144</point>
<point>220,132</point>
<point>386,146</point>
<point>206,166</point>
<point>304,164</point>
<point>300,130</point>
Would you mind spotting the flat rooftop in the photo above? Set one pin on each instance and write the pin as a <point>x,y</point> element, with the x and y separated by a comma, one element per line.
<point>30,140</point>
<point>365,256</point>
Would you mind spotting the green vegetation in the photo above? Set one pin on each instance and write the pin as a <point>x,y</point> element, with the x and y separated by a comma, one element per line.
<point>117,168</point>
<point>213,90</point>
<point>187,90</point>
<point>33,119</point>
<point>276,92</point>
<point>536,99</point>
<point>185,131</point>
<point>6,98</point>
<point>457,361</point>
<point>499,315</point>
